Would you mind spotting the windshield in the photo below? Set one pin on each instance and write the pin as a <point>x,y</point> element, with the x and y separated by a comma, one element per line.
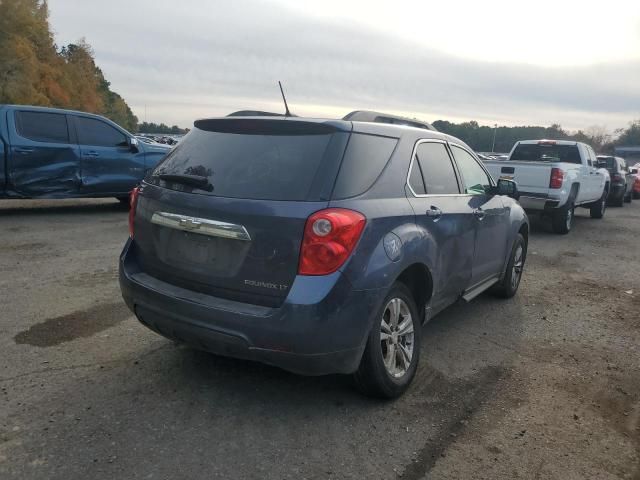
<point>536,152</point>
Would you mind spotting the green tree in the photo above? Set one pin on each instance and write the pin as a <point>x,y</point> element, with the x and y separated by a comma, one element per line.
<point>34,72</point>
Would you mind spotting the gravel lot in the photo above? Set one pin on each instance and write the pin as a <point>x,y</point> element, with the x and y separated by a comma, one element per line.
<point>546,385</point>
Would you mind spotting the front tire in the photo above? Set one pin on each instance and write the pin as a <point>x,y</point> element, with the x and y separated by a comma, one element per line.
<point>562,219</point>
<point>508,287</point>
<point>392,353</point>
<point>597,209</point>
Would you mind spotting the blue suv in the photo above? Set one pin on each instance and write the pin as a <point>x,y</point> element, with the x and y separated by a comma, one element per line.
<point>318,246</point>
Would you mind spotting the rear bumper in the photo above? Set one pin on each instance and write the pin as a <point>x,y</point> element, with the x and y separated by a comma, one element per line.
<point>537,202</point>
<point>321,328</point>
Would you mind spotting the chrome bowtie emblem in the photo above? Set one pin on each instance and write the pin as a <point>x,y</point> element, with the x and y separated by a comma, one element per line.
<point>190,224</point>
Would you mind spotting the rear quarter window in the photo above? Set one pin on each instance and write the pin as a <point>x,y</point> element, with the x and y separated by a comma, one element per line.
<point>365,158</point>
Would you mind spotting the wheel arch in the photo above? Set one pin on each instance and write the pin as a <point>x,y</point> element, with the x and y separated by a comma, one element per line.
<point>573,193</point>
<point>418,279</point>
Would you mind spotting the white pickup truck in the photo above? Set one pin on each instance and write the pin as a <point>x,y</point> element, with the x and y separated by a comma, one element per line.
<point>554,177</point>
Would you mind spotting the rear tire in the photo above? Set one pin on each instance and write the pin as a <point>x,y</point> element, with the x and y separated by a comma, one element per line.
<point>619,202</point>
<point>390,358</point>
<point>562,219</point>
<point>628,197</point>
<point>508,287</point>
<point>597,209</point>
<point>636,195</point>
<point>123,200</point>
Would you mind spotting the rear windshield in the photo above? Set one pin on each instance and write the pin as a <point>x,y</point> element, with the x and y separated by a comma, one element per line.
<point>609,163</point>
<point>535,152</point>
<point>258,165</point>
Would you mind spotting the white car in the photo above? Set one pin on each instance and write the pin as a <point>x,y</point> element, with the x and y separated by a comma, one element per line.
<point>554,177</point>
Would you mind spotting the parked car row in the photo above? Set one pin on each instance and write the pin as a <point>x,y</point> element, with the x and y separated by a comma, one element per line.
<point>162,139</point>
<point>318,246</point>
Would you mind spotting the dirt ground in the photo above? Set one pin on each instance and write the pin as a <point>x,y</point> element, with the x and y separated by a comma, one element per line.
<point>543,386</point>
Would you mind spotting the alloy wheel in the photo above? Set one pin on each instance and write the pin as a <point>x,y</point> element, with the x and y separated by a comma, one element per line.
<point>397,337</point>
<point>518,264</point>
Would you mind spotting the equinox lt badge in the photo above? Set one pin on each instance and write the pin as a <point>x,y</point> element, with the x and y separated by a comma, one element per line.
<point>273,286</point>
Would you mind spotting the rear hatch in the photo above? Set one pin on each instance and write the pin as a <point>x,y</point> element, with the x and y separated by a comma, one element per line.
<point>224,213</point>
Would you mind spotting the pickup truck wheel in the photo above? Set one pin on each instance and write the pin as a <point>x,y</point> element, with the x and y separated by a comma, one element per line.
<point>598,208</point>
<point>562,219</point>
<point>392,352</point>
<point>508,287</point>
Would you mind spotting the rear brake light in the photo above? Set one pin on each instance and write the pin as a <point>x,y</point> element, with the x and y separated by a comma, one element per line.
<point>557,177</point>
<point>133,203</point>
<point>329,238</point>
<point>547,142</point>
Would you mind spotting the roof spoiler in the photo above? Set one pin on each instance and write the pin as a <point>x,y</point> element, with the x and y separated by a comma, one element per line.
<point>256,113</point>
<point>377,117</point>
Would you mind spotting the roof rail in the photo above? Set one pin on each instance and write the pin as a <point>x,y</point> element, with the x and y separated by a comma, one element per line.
<point>256,113</point>
<point>377,117</point>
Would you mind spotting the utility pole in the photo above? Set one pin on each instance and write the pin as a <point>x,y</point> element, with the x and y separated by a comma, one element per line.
<point>493,145</point>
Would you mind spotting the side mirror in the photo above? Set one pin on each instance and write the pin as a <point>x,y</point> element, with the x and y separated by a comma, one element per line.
<point>633,171</point>
<point>508,188</point>
<point>133,144</point>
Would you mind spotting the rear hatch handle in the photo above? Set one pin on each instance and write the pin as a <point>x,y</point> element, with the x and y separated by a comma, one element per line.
<point>203,226</point>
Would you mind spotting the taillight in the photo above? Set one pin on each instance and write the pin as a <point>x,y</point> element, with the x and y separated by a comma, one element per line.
<point>329,238</point>
<point>557,177</point>
<point>133,203</point>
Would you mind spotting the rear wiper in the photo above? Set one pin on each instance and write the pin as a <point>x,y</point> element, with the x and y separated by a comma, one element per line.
<point>192,180</point>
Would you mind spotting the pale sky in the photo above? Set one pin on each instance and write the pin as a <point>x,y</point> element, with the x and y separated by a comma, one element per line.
<point>506,62</point>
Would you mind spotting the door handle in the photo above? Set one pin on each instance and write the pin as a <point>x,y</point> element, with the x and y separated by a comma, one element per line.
<point>479,213</point>
<point>23,150</point>
<point>91,154</point>
<point>434,212</point>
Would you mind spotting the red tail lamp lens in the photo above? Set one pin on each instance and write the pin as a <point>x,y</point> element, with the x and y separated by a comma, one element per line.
<point>329,238</point>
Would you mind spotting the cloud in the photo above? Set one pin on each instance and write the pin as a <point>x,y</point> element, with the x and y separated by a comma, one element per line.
<point>207,58</point>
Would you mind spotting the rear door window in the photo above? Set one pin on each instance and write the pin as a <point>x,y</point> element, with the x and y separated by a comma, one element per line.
<point>43,126</point>
<point>263,160</point>
<point>438,173</point>
<point>364,160</point>
<point>94,132</point>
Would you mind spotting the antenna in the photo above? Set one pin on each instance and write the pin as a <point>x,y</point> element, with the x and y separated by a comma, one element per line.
<point>287,113</point>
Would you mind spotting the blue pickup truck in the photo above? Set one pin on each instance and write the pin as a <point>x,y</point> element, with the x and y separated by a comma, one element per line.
<point>53,153</point>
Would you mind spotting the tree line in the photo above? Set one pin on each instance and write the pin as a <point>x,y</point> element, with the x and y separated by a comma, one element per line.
<point>481,137</point>
<point>145,127</point>
<point>35,71</point>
